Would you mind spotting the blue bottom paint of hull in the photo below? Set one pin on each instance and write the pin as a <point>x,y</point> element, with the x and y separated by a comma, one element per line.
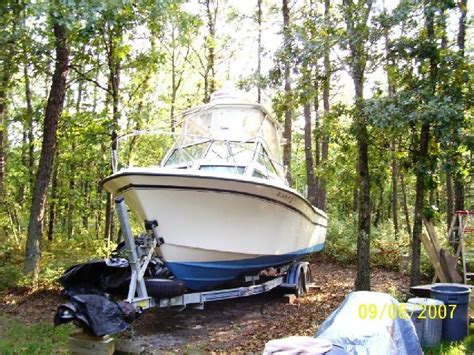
<point>200,276</point>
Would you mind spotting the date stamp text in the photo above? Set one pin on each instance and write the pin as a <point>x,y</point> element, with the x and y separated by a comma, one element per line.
<point>393,311</point>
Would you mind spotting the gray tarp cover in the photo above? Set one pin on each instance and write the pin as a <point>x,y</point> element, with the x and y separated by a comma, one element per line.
<point>385,334</point>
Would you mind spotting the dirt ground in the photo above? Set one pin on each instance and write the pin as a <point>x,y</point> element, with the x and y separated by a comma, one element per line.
<point>235,325</point>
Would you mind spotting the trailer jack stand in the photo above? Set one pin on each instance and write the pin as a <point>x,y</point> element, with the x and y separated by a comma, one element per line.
<point>138,258</point>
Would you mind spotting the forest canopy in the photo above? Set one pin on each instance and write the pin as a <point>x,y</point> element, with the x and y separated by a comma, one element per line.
<point>374,100</point>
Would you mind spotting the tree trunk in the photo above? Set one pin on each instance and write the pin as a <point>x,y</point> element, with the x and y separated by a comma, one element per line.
<point>326,88</point>
<point>288,110</point>
<point>4,83</point>
<point>259,51</point>
<point>423,155</point>
<point>391,94</point>
<point>3,98</point>
<point>54,196</point>
<point>363,238</point>
<point>355,199</point>
<point>317,143</point>
<point>458,194</point>
<point>48,149</point>
<point>7,68</point>
<point>356,17</point>
<point>173,80</point>
<point>419,203</point>
<point>210,77</point>
<point>394,198</point>
<point>114,65</point>
<point>28,139</point>
<point>72,168</point>
<point>308,150</point>
<point>405,204</point>
<point>85,212</point>
<point>461,39</point>
<point>30,120</point>
<point>449,199</point>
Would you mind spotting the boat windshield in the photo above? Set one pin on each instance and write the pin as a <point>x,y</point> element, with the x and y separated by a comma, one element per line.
<point>213,153</point>
<point>231,123</point>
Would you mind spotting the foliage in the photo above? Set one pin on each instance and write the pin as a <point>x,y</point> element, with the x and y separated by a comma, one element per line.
<point>154,39</point>
<point>387,251</point>
<point>57,256</point>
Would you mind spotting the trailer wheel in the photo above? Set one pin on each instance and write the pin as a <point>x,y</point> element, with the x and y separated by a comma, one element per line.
<point>164,287</point>
<point>300,285</point>
<point>308,279</point>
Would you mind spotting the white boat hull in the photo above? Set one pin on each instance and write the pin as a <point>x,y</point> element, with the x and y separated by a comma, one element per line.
<point>217,228</point>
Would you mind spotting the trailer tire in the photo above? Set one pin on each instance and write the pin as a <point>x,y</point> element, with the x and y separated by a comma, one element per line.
<point>300,284</point>
<point>308,279</point>
<point>164,287</point>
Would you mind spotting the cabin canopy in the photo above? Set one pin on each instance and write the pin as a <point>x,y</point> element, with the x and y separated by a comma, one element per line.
<point>233,123</point>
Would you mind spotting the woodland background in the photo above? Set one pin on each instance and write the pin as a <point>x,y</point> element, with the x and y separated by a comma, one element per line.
<point>375,101</point>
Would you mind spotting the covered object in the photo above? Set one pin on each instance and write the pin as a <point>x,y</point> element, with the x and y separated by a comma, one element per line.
<point>371,323</point>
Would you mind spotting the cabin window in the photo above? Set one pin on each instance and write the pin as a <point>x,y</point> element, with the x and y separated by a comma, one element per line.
<point>258,174</point>
<point>230,152</point>
<point>224,123</point>
<point>187,154</point>
<point>265,164</point>
<point>269,133</point>
<point>223,169</point>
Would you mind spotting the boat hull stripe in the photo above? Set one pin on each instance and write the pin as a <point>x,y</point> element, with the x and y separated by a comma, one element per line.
<point>209,274</point>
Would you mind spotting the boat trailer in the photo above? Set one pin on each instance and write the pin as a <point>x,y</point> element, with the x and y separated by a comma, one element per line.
<point>296,276</point>
<point>87,309</point>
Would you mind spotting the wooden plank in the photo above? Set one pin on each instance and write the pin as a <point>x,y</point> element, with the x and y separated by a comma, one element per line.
<point>432,234</point>
<point>434,256</point>
<point>449,264</point>
<point>81,343</point>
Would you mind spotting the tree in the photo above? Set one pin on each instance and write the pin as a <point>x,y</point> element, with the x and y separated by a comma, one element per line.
<point>308,135</point>
<point>180,31</point>
<point>212,8</point>
<point>48,147</point>
<point>389,68</point>
<point>287,88</point>
<point>259,51</point>
<point>322,193</point>
<point>9,18</point>
<point>423,147</point>
<point>356,16</point>
<point>462,81</point>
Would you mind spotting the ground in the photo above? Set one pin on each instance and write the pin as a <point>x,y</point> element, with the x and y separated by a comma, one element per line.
<point>234,325</point>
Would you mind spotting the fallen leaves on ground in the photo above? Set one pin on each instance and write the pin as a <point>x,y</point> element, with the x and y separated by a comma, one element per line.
<point>235,325</point>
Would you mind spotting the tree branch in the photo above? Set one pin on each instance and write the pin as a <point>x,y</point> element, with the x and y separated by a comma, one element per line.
<point>85,77</point>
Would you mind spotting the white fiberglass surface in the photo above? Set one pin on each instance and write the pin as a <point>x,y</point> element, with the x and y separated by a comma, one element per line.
<point>225,222</point>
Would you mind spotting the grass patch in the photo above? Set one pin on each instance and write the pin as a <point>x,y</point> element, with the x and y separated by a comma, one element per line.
<point>41,338</point>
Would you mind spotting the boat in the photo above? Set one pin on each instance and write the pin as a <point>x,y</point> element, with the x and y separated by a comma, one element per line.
<point>220,197</point>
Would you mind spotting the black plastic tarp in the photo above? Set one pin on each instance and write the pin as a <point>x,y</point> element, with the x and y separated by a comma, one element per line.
<point>95,313</point>
<point>111,275</point>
